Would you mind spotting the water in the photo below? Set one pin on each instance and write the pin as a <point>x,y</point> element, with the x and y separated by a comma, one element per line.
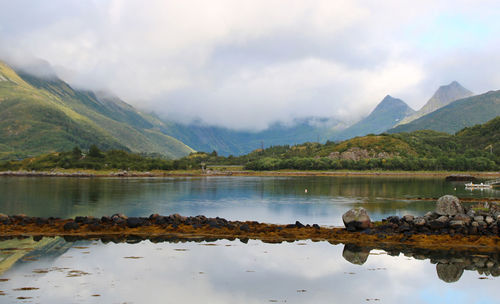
<point>235,272</point>
<point>265,199</point>
<point>52,270</point>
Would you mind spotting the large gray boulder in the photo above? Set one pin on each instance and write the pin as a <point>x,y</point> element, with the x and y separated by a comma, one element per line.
<point>449,205</point>
<point>356,218</point>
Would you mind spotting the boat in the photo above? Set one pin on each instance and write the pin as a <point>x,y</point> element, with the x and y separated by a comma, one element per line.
<point>478,186</point>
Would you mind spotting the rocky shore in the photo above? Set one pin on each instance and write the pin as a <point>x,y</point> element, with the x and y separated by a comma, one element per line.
<point>450,226</point>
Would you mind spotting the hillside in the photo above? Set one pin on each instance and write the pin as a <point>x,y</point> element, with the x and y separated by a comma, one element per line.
<point>385,116</point>
<point>457,115</point>
<point>443,96</point>
<point>233,142</point>
<point>39,115</point>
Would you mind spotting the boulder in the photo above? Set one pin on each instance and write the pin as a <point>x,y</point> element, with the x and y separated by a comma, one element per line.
<point>449,205</point>
<point>356,218</point>
<point>462,217</point>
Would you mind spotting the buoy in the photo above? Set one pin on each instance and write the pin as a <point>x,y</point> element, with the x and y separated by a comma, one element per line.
<point>305,190</point>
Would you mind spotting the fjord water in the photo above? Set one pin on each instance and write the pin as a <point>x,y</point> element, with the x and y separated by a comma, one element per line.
<point>266,199</point>
<point>56,271</point>
<point>53,270</point>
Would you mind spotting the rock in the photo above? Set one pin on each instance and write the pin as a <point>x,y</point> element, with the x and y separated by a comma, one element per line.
<point>478,218</point>
<point>357,218</point>
<point>245,227</point>
<point>475,224</point>
<point>439,223</point>
<point>489,220</point>
<point>449,272</point>
<point>456,224</point>
<point>419,221</point>
<point>462,217</point>
<point>315,226</point>
<point>134,222</point>
<point>299,224</point>
<point>3,217</point>
<point>449,205</point>
<point>355,254</point>
<point>71,226</point>
<point>408,218</point>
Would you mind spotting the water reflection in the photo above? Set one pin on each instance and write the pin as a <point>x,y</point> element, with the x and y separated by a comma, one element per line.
<point>265,199</point>
<point>450,264</point>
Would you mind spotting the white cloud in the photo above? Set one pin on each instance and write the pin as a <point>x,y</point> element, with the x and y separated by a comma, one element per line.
<point>245,64</point>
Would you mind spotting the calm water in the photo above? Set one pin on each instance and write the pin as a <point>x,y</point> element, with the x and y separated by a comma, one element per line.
<point>53,270</point>
<point>266,199</point>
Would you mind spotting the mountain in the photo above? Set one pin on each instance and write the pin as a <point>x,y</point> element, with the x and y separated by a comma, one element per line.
<point>457,115</point>
<point>385,116</point>
<point>442,97</point>
<point>233,142</point>
<point>45,114</point>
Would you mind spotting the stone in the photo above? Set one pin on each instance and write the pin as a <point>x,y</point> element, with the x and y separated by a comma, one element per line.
<point>489,220</point>
<point>408,218</point>
<point>478,218</point>
<point>462,217</point>
<point>3,217</point>
<point>419,221</point>
<point>245,227</point>
<point>439,223</point>
<point>134,222</point>
<point>299,224</point>
<point>456,224</point>
<point>357,218</point>
<point>449,205</point>
<point>71,226</point>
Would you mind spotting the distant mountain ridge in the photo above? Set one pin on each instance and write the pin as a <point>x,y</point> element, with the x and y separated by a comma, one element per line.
<point>40,115</point>
<point>457,115</point>
<point>385,116</point>
<point>443,96</point>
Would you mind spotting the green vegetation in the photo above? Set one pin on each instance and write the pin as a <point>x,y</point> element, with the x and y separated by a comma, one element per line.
<point>473,149</point>
<point>39,115</point>
<point>457,115</point>
<point>97,160</point>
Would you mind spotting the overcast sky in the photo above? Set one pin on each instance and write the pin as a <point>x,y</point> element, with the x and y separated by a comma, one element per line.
<point>245,64</point>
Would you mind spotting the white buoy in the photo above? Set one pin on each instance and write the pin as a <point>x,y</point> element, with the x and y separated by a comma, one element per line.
<point>305,190</point>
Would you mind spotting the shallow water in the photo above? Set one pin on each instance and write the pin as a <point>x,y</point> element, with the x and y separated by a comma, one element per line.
<point>266,199</point>
<point>55,271</point>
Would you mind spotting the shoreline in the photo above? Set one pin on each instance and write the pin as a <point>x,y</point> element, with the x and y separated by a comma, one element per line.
<point>156,227</point>
<point>199,173</point>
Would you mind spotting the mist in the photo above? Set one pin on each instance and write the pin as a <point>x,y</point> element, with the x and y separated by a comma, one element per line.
<point>246,65</point>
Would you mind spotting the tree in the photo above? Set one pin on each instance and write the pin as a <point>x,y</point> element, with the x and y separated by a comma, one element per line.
<point>94,151</point>
<point>76,153</point>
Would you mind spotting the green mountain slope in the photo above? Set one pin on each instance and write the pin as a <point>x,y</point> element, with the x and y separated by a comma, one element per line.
<point>39,115</point>
<point>443,96</point>
<point>385,116</point>
<point>457,115</point>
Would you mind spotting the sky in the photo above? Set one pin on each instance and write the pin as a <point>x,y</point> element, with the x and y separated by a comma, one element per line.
<point>247,64</point>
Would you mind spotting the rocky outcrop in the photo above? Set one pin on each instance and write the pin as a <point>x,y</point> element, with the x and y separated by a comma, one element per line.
<point>356,154</point>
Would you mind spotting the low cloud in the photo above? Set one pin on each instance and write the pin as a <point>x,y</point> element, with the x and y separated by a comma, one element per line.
<point>246,65</point>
